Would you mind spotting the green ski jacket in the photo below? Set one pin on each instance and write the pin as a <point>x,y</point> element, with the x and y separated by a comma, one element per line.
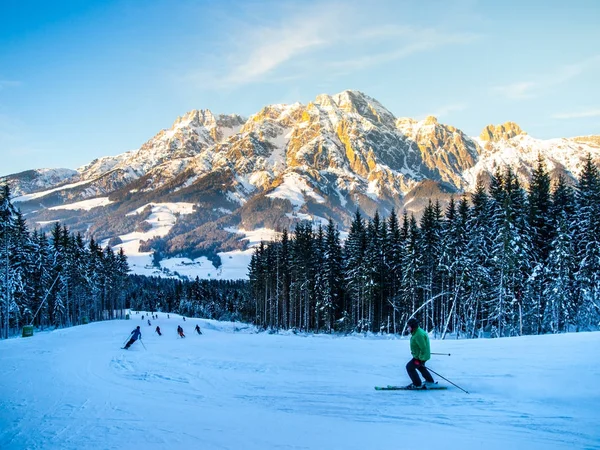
<point>419,345</point>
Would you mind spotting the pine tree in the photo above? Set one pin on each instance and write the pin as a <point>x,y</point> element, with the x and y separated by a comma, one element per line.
<point>587,237</point>
<point>394,257</point>
<point>354,274</point>
<point>430,246</point>
<point>334,276</point>
<point>541,239</point>
<point>479,259</point>
<point>560,289</point>
<point>412,263</point>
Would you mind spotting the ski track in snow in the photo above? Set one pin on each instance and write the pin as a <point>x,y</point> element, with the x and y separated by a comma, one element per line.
<point>75,388</point>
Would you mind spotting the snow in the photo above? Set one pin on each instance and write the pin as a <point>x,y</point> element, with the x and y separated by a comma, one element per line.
<point>227,132</point>
<point>373,190</point>
<point>231,388</point>
<point>277,157</point>
<point>254,237</point>
<point>523,150</point>
<point>343,200</point>
<point>234,266</point>
<point>43,179</point>
<point>187,183</point>
<point>318,220</point>
<point>235,197</point>
<point>295,189</point>
<point>27,197</point>
<point>162,218</point>
<point>85,204</point>
<point>164,211</point>
<point>246,184</point>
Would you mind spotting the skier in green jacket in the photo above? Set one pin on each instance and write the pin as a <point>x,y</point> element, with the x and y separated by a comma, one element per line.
<point>419,347</point>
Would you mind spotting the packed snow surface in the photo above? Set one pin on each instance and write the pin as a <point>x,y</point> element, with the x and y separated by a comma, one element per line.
<point>232,388</point>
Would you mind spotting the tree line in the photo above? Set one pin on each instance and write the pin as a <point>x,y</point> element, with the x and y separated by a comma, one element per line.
<point>59,280</point>
<point>55,280</point>
<point>501,261</point>
<point>211,299</point>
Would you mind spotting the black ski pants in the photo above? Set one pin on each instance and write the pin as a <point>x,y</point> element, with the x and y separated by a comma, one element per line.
<point>412,366</point>
<point>131,341</point>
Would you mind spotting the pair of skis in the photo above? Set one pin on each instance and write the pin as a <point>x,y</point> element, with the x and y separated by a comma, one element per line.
<point>435,387</point>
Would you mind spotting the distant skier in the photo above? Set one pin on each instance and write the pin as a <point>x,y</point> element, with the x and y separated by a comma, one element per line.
<point>180,331</point>
<point>198,329</point>
<point>168,316</point>
<point>184,319</point>
<point>149,324</point>
<point>419,347</point>
<point>142,317</point>
<point>135,335</point>
<point>158,330</point>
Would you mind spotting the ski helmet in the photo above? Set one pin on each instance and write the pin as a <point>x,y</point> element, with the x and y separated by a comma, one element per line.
<point>413,323</point>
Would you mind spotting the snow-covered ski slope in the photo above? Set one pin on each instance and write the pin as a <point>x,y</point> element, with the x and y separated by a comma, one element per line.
<point>234,389</point>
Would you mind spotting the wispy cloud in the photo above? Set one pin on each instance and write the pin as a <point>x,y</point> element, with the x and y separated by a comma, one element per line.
<point>414,41</point>
<point>303,42</point>
<point>517,91</point>
<point>260,51</point>
<point>578,115</point>
<point>532,88</point>
<point>275,47</point>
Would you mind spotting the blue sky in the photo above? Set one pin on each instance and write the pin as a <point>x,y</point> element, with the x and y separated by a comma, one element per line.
<point>79,80</point>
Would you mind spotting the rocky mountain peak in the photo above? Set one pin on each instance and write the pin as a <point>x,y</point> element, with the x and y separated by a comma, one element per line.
<point>497,133</point>
<point>430,120</point>
<point>229,120</point>
<point>351,101</point>
<point>196,117</point>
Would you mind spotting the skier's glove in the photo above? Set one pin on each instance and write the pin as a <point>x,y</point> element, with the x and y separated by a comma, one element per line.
<point>417,362</point>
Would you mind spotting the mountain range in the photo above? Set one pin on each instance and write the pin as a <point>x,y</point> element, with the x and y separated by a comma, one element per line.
<point>201,187</point>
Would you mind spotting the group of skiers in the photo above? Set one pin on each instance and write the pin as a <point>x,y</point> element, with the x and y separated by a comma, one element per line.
<point>137,333</point>
<point>419,348</point>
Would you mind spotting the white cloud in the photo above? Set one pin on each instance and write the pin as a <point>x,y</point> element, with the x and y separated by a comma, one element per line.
<point>275,47</point>
<point>517,91</point>
<point>578,115</point>
<point>413,41</point>
<point>258,52</point>
<point>533,88</point>
<point>296,45</point>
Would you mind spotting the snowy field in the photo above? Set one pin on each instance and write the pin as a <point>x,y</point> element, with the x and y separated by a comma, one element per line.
<point>234,389</point>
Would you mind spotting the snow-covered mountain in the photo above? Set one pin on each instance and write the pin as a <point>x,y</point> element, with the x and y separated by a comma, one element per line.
<point>283,164</point>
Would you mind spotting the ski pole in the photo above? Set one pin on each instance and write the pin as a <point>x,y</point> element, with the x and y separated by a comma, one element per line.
<point>431,370</point>
<point>142,342</point>
<point>444,354</point>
